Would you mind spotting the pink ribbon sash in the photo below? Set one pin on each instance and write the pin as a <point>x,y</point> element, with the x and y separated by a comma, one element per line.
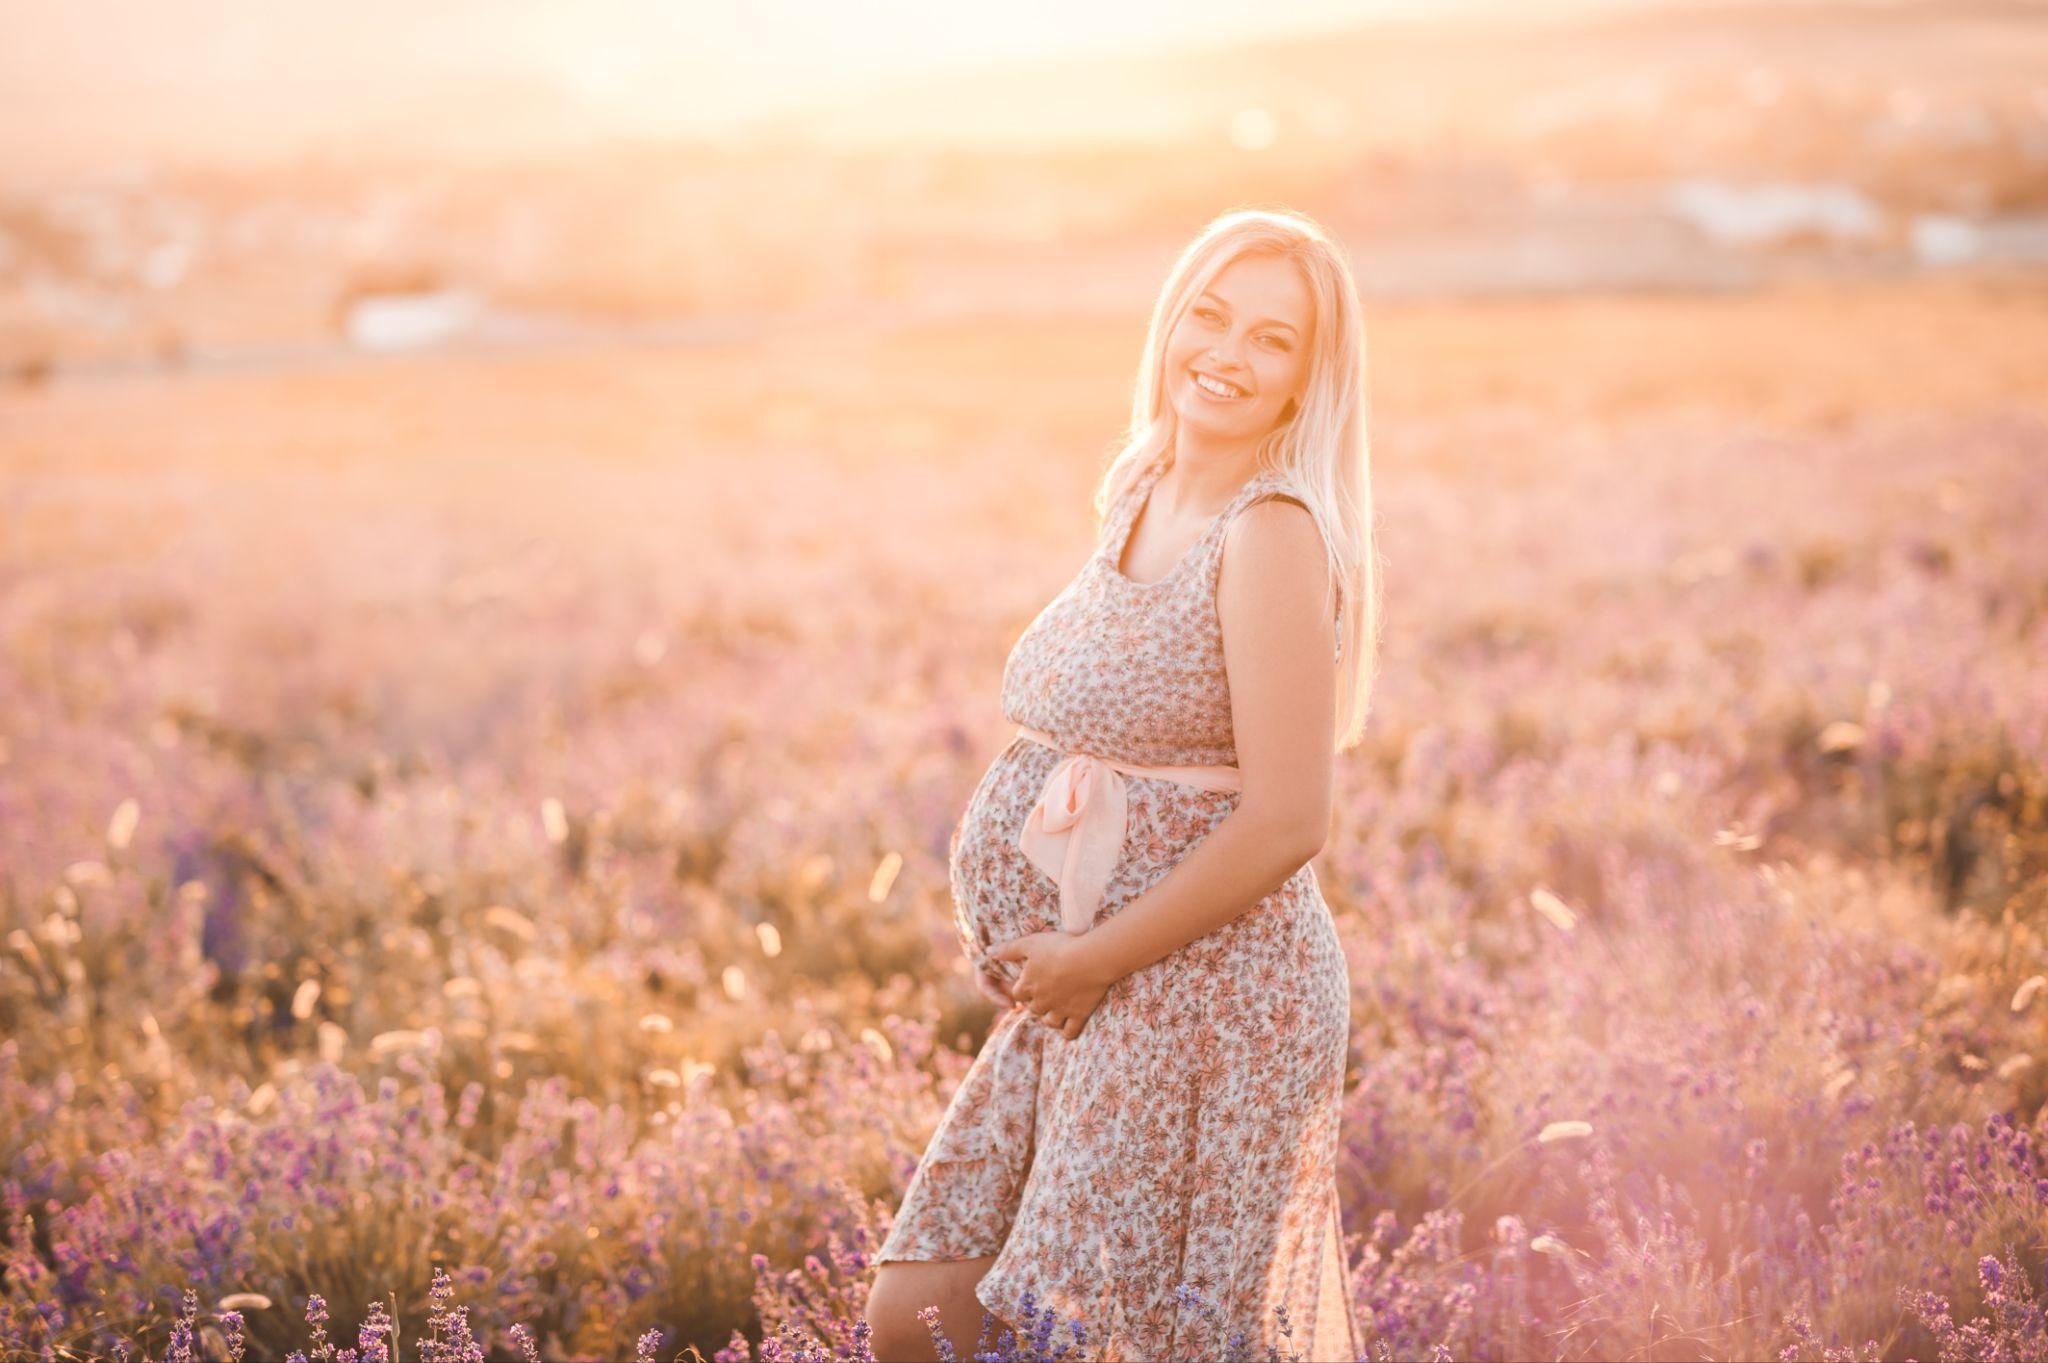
<point>1076,830</point>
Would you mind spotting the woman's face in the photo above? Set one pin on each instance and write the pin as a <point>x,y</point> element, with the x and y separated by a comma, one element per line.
<point>1250,329</point>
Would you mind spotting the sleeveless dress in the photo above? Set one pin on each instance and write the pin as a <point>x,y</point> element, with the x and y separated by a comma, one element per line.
<point>1190,1132</point>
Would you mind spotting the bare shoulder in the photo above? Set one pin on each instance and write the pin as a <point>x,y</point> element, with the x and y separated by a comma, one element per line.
<point>1274,537</point>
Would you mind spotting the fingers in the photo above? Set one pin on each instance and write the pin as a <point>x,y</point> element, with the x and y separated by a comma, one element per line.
<point>1067,1026</point>
<point>992,989</point>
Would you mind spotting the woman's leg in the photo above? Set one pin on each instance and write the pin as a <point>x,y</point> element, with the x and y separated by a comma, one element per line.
<point>903,1287</point>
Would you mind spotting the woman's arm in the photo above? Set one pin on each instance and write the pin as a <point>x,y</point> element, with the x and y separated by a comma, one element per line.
<point>1275,612</point>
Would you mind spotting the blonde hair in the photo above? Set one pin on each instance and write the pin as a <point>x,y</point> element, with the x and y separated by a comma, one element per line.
<point>1322,453</point>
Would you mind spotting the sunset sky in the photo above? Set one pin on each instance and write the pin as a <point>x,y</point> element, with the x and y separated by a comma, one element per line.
<point>90,80</point>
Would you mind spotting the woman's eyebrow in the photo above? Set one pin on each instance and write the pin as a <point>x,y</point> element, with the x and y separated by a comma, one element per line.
<point>1266,321</point>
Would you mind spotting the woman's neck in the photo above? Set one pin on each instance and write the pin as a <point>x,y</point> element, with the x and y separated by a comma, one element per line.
<point>1203,477</point>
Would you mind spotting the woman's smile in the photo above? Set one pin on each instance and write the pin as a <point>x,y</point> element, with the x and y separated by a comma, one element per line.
<point>1242,344</point>
<point>1218,390</point>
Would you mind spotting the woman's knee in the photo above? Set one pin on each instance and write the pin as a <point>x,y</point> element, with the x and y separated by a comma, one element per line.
<point>895,1297</point>
<point>903,1288</point>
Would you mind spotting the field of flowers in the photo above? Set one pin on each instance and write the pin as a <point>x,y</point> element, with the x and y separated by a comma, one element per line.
<point>472,831</point>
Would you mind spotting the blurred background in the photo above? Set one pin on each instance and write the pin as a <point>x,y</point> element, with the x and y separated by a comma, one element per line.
<point>511,522</point>
<point>217,181</point>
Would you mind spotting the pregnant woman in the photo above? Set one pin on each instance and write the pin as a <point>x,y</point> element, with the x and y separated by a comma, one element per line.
<point>1159,1103</point>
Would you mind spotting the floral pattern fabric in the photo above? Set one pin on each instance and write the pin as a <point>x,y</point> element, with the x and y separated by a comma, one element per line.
<point>1190,1132</point>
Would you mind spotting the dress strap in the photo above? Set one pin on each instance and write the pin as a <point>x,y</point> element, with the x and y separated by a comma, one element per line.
<point>1269,486</point>
<point>1116,522</point>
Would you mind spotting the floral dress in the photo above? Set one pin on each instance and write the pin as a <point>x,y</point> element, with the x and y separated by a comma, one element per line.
<point>1190,1132</point>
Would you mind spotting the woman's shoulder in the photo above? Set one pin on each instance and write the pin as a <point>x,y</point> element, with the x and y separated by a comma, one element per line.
<point>1287,544</point>
<point>1275,527</point>
<point>1271,516</point>
<point>1269,486</point>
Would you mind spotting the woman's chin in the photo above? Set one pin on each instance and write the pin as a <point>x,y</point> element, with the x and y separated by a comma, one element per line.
<point>1197,415</point>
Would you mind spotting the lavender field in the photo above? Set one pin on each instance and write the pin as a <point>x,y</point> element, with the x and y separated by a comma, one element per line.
<point>474,831</point>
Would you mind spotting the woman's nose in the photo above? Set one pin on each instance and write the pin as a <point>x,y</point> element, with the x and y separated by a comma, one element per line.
<point>1225,358</point>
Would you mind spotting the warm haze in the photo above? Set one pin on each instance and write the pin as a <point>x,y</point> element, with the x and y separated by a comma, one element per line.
<point>512,520</point>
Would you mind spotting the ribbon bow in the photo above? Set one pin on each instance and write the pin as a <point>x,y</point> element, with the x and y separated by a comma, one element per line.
<point>1075,831</point>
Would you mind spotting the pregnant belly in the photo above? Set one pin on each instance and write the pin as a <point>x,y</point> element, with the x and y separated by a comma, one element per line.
<point>998,894</point>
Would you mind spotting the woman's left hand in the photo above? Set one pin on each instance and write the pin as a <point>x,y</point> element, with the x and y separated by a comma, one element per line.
<point>1059,984</point>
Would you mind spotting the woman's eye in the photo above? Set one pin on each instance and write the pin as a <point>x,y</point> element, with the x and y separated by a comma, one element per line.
<point>1206,314</point>
<point>1278,341</point>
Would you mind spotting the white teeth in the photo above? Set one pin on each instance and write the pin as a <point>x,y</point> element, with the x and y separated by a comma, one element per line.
<point>1220,389</point>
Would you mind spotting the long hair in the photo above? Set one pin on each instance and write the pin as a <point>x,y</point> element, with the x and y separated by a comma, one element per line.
<point>1322,451</point>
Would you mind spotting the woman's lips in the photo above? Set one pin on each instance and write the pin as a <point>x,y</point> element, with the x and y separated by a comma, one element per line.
<point>1195,377</point>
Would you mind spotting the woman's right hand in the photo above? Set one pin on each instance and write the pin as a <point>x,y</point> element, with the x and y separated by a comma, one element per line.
<point>995,988</point>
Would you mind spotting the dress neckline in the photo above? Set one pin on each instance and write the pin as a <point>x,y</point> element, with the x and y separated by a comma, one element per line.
<point>1139,499</point>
